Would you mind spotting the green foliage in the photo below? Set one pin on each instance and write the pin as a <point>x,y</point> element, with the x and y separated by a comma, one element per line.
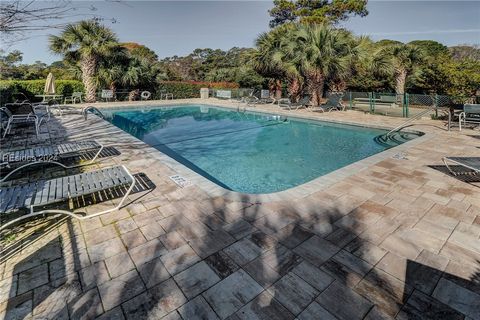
<point>245,76</point>
<point>8,88</point>
<point>317,56</point>
<point>132,66</point>
<point>85,44</point>
<point>463,77</point>
<point>386,43</point>
<point>12,69</point>
<point>207,64</point>
<point>315,11</point>
<point>431,48</point>
<point>191,89</point>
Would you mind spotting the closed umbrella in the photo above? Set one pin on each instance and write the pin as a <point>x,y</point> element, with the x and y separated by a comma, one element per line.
<point>50,84</point>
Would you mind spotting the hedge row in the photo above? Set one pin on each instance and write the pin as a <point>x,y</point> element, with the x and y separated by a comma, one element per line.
<point>180,89</point>
<point>33,87</point>
<point>191,89</point>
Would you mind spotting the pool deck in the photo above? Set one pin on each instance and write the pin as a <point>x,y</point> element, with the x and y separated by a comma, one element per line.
<point>392,237</point>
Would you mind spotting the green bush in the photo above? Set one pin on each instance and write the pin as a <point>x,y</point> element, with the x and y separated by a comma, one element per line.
<point>190,89</point>
<point>30,88</point>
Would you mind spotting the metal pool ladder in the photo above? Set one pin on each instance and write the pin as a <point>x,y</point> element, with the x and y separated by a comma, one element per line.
<point>92,109</point>
<point>403,125</point>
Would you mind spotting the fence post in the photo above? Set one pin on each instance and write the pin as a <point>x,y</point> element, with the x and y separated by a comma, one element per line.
<point>435,101</point>
<point>406,102</point>
<point>350,99</point>
<point>370,98</point>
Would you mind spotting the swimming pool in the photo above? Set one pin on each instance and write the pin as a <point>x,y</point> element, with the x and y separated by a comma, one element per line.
<point>250,152</point>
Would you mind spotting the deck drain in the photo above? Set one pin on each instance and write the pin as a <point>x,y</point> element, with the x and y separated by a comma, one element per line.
<point>180,181</point>
<point>400,156</point>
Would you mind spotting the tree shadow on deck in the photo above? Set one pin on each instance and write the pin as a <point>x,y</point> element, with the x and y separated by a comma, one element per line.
<point>243,260</point>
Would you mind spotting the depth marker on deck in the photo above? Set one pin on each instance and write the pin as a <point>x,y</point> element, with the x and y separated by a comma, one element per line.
<point>180,181</point>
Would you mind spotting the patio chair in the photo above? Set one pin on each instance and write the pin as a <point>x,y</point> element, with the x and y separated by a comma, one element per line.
<point>470,114</point>
<point>288,104</point>
<point>223,94</point>
<point>76,96</point>
<point>166,95</point>
<point>334,102</point>
<point>20,113</point>
<point>21,159</point>
<point>48,192</point>
<point>472,163</point>
<point>107,95</point>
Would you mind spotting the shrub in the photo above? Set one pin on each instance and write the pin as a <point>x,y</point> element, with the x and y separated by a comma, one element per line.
<point>191,89</point>
<point>33,87</point>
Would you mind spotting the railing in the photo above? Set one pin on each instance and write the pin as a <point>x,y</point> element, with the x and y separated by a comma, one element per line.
<point>403,125</point>
<point>93,110</point>
<point>402,105</point>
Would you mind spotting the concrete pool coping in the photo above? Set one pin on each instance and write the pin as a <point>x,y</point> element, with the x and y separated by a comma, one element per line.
<point>318,184</point>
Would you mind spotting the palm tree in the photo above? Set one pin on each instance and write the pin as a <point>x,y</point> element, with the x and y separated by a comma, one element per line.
<point>320,53</point>
<point>267,44</point>
<point>85,43</point>
<point>130,66</point>
<point>404,58</point>
<point>268,61</point>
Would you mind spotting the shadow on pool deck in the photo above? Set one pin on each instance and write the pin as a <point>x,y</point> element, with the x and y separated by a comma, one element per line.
<point>243,260</point>
<point>296,257</point>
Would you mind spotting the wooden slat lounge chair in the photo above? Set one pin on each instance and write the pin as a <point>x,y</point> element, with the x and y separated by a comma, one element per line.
<point>472,163</point>
<point>48,154</point>
<point>47,192</point>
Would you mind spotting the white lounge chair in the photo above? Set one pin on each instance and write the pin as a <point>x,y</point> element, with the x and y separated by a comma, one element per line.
<point>74,98</point>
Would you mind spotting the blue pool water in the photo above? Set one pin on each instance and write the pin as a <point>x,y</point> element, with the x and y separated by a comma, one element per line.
<point>247,152</point>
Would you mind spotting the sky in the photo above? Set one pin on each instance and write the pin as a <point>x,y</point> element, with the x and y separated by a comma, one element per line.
<point>178,27</point>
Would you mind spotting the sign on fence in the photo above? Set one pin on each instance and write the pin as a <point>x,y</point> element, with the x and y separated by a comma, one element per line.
<point>264,94</point>
<point>224,94</point>
<point>107,94</point>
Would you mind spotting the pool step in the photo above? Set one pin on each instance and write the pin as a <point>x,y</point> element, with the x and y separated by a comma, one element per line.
<point>395,138</point>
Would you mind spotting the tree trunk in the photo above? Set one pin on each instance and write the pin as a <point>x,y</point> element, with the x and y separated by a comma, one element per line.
<point>400,79</point>
<point>89,68</point>
<point>275,86</point>
<point>316,82</point>
<point>294,89</point>
<point>338,86</point>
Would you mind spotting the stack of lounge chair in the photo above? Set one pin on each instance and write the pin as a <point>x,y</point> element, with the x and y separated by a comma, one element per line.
<point>44,196</point>
<point>288,104</point>
<point>334,102</point>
